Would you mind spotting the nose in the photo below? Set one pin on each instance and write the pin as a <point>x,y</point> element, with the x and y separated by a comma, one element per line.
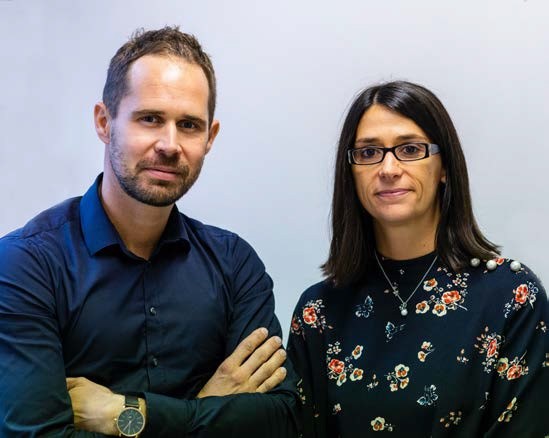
<point>390,166</point>
<point>168,143</point>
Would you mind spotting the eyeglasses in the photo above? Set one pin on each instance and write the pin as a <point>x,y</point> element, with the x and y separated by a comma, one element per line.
<point>402,152</point>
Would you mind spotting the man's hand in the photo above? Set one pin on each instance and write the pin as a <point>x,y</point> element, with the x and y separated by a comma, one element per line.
<point>94,406</point>
<point>254,366</point>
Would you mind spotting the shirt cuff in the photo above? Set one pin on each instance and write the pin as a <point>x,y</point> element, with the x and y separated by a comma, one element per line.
<point>167,416</point>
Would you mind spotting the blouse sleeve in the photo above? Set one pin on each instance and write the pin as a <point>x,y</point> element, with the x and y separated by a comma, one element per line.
<point>520,388</point>
<point>305,352</point>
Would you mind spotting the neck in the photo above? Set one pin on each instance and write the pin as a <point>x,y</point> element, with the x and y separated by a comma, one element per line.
<point>140,226</point>
<point>404,242</point>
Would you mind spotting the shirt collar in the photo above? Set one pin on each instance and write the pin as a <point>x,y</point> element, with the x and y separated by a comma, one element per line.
<point>100,233</point>
<point>175,231</point>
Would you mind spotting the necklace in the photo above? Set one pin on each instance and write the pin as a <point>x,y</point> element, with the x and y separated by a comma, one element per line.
<point>403,303</point>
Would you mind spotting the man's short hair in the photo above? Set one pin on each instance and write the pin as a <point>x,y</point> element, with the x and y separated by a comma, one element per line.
<point>168,41</point>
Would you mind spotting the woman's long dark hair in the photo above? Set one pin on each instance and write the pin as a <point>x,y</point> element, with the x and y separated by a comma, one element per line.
<point>458,236</point>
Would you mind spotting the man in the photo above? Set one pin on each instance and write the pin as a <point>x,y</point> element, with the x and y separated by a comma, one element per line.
<point>158,322</point>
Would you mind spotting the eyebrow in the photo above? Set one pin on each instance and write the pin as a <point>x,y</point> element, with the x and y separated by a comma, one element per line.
<point>146,112</point>
<point>399,139</point>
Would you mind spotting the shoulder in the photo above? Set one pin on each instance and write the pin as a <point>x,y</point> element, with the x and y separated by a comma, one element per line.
<point>49,220</point>
<point>317,295</point>
<point>215,237</point>
<point>228,248</point>
<point>503,272</point>
<point>26,257</point>
<point>310,315</point>
<point>41,230</point>
<point>509,283</point>
<point>208,231</point>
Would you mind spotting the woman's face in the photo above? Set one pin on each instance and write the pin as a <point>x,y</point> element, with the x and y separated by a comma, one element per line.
<point>397,193</point>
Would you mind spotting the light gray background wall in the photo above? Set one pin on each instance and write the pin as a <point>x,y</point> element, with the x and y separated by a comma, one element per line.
<point>287,71</point>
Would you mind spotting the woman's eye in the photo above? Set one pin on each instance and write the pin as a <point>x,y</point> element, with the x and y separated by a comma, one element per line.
<point>369,152</point>
<point>410,149</point>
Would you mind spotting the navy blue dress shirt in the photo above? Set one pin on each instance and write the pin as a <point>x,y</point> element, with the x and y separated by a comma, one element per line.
<point>75,302</point>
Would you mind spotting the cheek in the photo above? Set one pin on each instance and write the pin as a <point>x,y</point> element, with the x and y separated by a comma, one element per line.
<point>131,140</point>
<point>194,147</point>
<point>361,183</point>
<point>431,183</point>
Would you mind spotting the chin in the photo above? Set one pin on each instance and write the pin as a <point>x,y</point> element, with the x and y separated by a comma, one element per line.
<point>394,222</point>
<point>397,217</point>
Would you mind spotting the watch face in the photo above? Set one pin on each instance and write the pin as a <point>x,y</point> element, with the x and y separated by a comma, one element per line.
<point>130,422</point>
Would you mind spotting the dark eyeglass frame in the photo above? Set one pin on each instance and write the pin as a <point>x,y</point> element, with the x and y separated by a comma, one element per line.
<point>430,149</point>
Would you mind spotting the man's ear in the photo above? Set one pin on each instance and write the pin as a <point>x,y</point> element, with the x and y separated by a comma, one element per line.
<point>103,122</point>
<point>213,131</point>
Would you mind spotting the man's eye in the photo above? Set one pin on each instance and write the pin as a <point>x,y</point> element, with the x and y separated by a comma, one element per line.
<point>187,124</point>
<point>150,119</point>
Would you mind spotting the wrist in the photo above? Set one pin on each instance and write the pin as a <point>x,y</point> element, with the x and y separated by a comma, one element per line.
<point>131,418</point>
<point>113,410</point>
<point>143,408</point>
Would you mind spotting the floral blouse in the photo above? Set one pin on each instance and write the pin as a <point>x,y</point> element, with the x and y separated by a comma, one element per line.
<point>470,359</point>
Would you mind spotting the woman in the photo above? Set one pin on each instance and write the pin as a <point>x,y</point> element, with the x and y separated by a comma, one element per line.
<point>420,327</point>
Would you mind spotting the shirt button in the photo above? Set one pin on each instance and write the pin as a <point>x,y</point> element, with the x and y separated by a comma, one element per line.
<point>152,311</point>
<point>154,361</point>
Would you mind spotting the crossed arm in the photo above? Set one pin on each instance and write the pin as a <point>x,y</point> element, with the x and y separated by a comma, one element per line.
<point>34,400</point>
<point>254,367</point>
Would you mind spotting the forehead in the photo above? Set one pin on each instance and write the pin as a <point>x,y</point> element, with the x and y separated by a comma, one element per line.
<point>160,81</point>
<point>379,122</point>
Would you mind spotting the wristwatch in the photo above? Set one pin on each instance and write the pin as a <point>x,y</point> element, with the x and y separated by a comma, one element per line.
<point>130,421</point>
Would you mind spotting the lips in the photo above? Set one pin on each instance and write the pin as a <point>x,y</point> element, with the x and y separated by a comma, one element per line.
<point>392,193</point>
<point>162,169</point>
<point>163,172</point>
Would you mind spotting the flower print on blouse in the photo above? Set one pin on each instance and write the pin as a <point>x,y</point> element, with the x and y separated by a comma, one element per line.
<point>366,308</point>
<point>379,424</point>
<point>444,298</point>
<point>311,316</point>
<point>338,370</point>
<point>471,360</point>
<point>524,294</point>
<point>398,379</point>
<point>426,349</point>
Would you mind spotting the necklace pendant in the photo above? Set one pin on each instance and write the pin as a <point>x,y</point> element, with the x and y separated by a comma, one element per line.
<point>402,307</point>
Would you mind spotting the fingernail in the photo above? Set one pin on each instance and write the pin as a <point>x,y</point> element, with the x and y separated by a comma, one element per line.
<point>264,331</point>
<point>277,340</point>
<point>282,370</point>
<point>282,352</point>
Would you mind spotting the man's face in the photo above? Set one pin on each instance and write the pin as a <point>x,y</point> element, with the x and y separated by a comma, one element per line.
<point>160,135</point>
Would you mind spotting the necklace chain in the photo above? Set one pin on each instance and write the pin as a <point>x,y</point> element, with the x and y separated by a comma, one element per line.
<point>403,303</point>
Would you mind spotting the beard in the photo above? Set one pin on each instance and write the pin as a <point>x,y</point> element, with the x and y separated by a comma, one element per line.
<point>151,191</point>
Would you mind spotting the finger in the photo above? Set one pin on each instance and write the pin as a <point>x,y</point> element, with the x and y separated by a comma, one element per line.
<point>261,355</point>
<point>266,370</point>
<point>276,379</point>
<point>245,348</point>
<point>73,382</point>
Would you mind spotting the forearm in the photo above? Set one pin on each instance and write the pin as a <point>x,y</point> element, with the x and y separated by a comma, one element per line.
<point>268,415</point>
<point>272,414</point>
<point>34,400</point>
